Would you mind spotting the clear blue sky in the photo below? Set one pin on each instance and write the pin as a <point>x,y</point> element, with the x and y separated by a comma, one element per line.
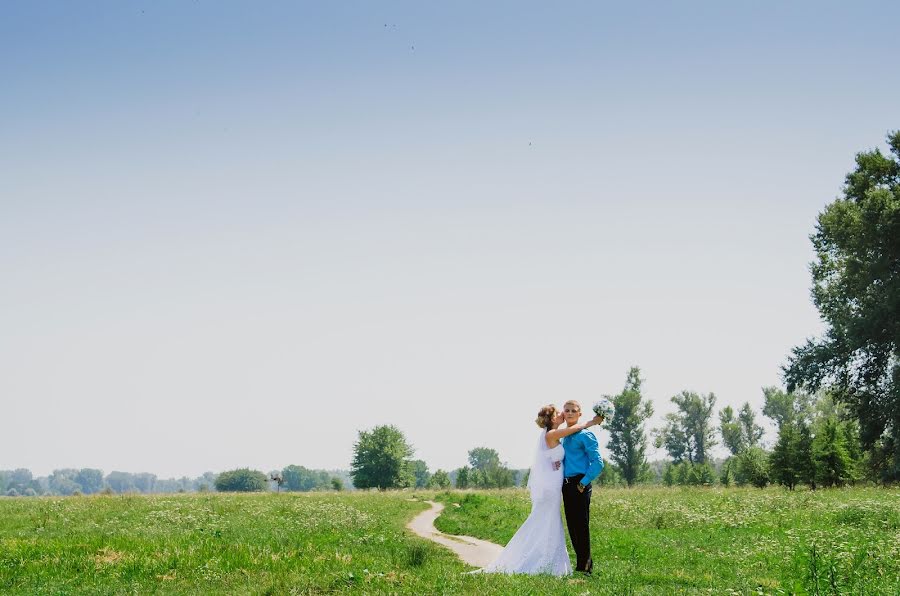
<point>237,233</point>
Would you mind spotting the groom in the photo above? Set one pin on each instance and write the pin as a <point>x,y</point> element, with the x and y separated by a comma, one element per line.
<point>581,465</point>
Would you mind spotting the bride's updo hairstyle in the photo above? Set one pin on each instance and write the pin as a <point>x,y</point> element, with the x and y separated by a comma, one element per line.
<point>545,416</point>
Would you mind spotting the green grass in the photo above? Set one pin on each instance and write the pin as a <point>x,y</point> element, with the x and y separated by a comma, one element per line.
<point>662,540</point>
<point>647,541</point>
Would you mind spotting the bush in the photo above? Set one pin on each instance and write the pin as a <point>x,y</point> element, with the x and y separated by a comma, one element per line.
<point>30,492</point>
<point>12,493</point>
<point>241,480</point>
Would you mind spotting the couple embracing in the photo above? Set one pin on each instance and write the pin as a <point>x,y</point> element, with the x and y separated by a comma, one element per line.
<point>567,458</point>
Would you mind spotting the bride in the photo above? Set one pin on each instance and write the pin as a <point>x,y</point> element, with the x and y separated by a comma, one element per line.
<point>539,546</point>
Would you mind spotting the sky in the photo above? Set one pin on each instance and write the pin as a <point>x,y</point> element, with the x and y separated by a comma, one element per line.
<point>236,234</point>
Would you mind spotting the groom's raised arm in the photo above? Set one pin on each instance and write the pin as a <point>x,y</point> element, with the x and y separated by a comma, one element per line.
<point>595,462</point>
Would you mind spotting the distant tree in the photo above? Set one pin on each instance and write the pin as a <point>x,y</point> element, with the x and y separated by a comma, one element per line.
<point>482,458</point>
<point>381,459</point>
<point>462,477</point>
<point>420,470</point>
<point>750,431</point>
<point>120,482</point>
<point>62,482</point>
<point>242,480</point>
<point>487,470</point>
<point>730,429</point>
<point>144,482</point>
<point>689,433</point>
<point>628,441</point>
<point>300,478</point>
<point>440,479</point>
<point>856,288</point>
<point>90,480</point>
<point>337,484</point>
<point>12,492</point>
<point>19,479</point>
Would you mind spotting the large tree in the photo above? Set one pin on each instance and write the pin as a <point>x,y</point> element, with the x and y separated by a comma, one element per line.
<point>628,441</point>
<point>381,459</point>
<point>856,288</point>
<point>689,433</point>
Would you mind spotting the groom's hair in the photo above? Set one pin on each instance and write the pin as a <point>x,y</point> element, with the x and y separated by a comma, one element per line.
<point>573,402</point>
<point>545,416</point>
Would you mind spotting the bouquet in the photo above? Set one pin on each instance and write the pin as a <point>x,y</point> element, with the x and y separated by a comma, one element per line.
<point>604,408</point>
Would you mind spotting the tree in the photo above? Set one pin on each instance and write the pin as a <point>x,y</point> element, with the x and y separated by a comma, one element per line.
<point>487,470</point>
<point>628,442</point>
<point>483,458</point>
<point>299,478</point>
<point>785,459</point>
<point>462,477</point>
<point>730,429</point>
<point>337,484</point>
<point>420,470</point>
<point>856,288</point>
<point>784,407</point>
<point>90,480</point>
<point>440,479</point>
<point>751,432</point>
<point>19,479</point>
<point>753,467</point>
<point>145,482</point>
<point>833,463</point>
<point>381,459</point>
<point>688,433</point>
<point>726,478</point>
<point>62,482</point>
<point>242,480</point>
<point>118,481</point>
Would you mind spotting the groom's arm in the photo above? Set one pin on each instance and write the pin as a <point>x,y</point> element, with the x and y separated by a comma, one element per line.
<point>595,462</point>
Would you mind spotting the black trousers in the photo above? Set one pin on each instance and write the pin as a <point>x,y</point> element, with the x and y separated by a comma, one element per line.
<point>578,507</point>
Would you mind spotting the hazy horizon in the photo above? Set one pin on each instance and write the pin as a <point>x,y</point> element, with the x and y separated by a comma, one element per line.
<point>235,236</point>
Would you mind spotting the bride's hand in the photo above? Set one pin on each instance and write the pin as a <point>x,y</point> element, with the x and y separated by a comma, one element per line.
<point>556,465</point>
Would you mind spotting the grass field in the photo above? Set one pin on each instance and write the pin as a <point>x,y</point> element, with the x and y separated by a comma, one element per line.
<point>647,541</point>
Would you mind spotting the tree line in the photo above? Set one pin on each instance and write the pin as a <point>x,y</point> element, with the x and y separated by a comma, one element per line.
<point>88,481</point>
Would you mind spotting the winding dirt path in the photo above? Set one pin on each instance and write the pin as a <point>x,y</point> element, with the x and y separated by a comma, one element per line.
<point>472,551</point>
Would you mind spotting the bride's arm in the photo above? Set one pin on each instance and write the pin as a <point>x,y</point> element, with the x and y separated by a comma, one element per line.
<point>559,433</point>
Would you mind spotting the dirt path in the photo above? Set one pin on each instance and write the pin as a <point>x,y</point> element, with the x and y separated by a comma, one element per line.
<point>475,552</point>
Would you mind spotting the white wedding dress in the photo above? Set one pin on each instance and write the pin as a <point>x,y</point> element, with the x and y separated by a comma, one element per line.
<point>539,546</point>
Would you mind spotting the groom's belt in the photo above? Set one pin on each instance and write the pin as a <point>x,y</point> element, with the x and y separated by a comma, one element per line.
<point>573,479</point>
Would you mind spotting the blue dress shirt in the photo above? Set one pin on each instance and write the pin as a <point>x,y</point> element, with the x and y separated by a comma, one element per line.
<point>582,456</point>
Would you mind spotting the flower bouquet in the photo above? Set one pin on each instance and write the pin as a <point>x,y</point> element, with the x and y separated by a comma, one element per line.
<point>604,408</point>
